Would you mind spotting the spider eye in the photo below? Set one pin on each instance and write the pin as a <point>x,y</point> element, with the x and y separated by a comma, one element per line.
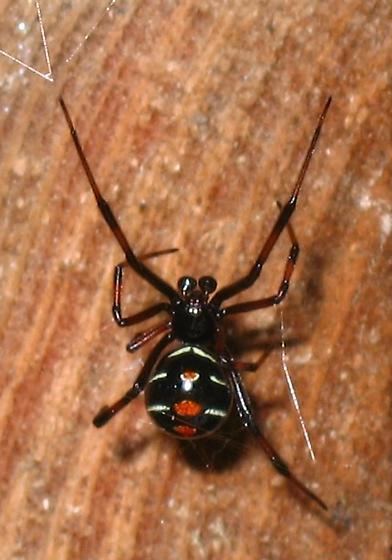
<point>186,284</point>
<point>207,284</point>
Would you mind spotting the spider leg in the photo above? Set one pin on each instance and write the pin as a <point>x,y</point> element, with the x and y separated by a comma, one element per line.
<point>240,365</point>
<point>140,339</point>
<point>117,288</point>
<point>246,413</point>
<point>287,210</point>
<point>116,309</point>
<point>136,264</point>
<point>283,288</point>
<point>154,254</point>
<point>107,412</point>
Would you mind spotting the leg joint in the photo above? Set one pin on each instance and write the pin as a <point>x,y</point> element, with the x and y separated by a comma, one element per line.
<point>116,311</point>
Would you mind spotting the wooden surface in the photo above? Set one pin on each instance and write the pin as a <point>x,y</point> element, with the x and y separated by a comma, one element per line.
<point>195,117</point>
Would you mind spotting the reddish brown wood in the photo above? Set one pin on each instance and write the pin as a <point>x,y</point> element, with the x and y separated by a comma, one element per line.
<point>195,117</point>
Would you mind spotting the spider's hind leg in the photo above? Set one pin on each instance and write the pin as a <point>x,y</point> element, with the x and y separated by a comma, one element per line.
<point>247,416</point>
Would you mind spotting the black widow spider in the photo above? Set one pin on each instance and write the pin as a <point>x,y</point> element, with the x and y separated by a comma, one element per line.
<point>191,390</point>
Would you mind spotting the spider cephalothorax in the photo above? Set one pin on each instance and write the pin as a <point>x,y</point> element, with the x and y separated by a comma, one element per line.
<point>193,318</point>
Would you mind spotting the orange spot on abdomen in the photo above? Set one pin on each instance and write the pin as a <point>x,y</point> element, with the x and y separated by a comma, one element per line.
<point>190,375</point>
<point>187,408</point>
<point>185,431</point>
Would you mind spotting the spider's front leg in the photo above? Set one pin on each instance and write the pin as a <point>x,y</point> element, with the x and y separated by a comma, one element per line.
<point>281,223</point>
<point>135,263</point>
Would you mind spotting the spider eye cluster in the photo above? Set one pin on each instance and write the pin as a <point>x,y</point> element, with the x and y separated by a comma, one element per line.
<point>207,284</point>
<point>187,284</point>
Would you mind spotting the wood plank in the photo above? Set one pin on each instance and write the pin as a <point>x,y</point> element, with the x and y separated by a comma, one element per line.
<point>195,117</point>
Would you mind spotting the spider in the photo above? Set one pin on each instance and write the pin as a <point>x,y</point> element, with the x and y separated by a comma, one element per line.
<point>190,390</point>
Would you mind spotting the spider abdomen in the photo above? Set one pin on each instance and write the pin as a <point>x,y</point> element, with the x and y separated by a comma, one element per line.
<point>188,394</point>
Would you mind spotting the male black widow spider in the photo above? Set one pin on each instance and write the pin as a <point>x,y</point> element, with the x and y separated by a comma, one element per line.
<point>190,391</point>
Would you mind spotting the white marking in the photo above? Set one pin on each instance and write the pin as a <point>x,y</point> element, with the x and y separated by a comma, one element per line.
<point>93,28</point>
<point>215,412</point>
<point>187,385</point>
<point>182,350</point>
<point>159,375</point>
<point>48,76</point>
<point>194,310</point>
<point>218,381</point>
<point>193,350</point>
<point>194,374</point>
<point>203,354</point>
<point>292,391</point>
<point>386,224</point>
<point>158,408</point>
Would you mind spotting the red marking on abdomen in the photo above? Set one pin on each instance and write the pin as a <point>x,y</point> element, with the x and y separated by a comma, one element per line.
<point>190,374</point>
<point>185,431</point>
<point>187,408</point>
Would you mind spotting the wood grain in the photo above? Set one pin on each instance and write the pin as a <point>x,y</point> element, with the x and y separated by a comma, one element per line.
<point>195,117</point>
